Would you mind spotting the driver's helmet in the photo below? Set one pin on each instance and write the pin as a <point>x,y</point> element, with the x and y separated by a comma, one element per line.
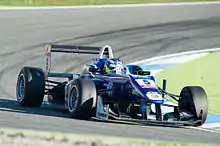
<point>114,65</point>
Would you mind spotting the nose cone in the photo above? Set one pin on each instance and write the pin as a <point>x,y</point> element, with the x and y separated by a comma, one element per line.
<point>154,95</point>
<point>148,89</point>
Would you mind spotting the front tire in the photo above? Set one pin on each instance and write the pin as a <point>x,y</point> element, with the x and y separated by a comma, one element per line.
<point>82,99</point>
<point>194,99</point>
<point>30,87</point>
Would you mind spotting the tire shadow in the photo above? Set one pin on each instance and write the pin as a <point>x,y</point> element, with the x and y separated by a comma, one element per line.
<point>8,105</point>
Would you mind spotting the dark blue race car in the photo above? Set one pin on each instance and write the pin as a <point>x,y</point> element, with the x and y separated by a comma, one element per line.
<point>108,90</point>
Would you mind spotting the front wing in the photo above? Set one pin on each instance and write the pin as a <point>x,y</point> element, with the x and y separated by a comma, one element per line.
<point>102,114</point>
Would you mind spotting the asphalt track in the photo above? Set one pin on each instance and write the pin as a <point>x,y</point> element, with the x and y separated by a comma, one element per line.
<point>134,33</point>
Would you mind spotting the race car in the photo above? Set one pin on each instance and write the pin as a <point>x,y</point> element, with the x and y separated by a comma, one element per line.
<point>108,90</point>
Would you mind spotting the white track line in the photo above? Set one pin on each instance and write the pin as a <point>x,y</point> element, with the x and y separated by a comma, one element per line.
<point>211,125</point>
<point>108,6</point>
<point>175,55</point>
<point>204,129</point>
<point>208,127</point>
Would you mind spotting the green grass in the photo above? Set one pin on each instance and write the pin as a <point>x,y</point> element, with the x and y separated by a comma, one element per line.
<point>106,140</point>
<point>82,2</point>
<point>204,71</point>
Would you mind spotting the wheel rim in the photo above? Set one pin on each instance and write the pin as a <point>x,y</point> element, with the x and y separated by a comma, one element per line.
<point>73,98</point>
<point>20,87</point>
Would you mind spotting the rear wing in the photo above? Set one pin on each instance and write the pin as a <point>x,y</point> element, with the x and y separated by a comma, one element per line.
<point>103,52</point>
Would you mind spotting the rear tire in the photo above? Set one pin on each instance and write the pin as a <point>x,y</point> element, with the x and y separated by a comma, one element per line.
<point>82,99</point>
<point>194,99</point>
<point>30,87</point>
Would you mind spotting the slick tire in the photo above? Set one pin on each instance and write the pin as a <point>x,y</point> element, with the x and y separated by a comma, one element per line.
<point>194,99</point>
<point>82,98</point>
<point>30,87</point>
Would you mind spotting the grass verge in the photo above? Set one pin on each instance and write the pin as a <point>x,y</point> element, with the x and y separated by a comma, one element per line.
<point>26,137</point>
<point>203,72</point>
<point>83,2</point>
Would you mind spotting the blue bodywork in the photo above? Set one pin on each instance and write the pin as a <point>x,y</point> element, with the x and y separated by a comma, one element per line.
<point>122,87</point>
<point>126,86</point>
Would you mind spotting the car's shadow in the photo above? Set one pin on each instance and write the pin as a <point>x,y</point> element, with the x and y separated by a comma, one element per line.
<point>8,105</point>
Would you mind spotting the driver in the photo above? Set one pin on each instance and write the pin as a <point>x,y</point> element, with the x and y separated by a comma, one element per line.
<point>113,65</point>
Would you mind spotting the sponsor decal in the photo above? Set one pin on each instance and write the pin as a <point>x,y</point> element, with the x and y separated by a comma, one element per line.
<point>152,92</point>
<point>153,95</point>
<point>48,50</point>
<point>110,87</point>
<point>47,64</point>
<point>144,83</point>
<point>48,60</point>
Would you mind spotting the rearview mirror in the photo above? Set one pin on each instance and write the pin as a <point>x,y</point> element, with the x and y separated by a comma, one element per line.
<point>143,73</point>
<point>93,69</point>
